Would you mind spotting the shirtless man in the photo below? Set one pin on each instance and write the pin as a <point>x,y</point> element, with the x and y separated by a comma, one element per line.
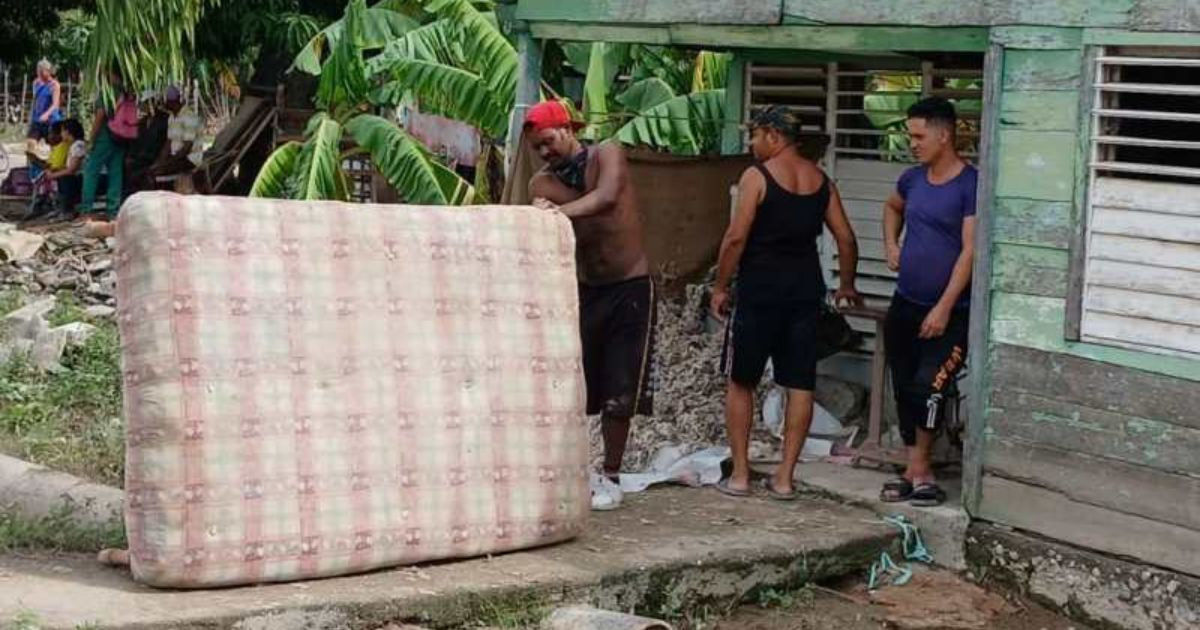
<point>617,299</point>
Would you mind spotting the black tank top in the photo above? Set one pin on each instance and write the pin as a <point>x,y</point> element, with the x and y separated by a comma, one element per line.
<point>780,262</point>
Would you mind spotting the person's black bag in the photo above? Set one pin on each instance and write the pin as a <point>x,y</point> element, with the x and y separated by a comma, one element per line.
<point>834,333</point>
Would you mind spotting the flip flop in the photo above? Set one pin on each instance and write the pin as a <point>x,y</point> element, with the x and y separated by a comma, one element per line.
<point>775,494</point>
<point>723,487</point>
<point>896,490</point>
<point>927,495</point>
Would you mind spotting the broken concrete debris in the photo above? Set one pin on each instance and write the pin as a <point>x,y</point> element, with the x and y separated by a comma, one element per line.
<point>16,245</point>
<point>65,260</point>
<point>25,332</point>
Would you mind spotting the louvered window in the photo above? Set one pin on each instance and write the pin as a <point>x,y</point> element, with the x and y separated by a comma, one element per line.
<point>1141,257</point>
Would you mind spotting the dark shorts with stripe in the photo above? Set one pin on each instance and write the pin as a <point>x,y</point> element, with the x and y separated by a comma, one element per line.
<point>785,333</point>
<point>617,324</point>
<point>924,371</point>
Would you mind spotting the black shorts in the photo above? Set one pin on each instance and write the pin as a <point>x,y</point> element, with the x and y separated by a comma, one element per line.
<point>785,333</point>
<point>617,324</point>
<point>923,370</point>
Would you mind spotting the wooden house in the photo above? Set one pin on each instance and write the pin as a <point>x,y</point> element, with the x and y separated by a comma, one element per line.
<point>1085,335</point>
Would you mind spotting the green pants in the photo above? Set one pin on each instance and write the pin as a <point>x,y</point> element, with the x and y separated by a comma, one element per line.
<point>105,153</point>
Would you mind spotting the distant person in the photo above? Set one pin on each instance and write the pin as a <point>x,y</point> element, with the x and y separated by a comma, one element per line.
<point>591,186</point>
<point>107,150</point>
<point>926,328</point>
<point>783,204</point>
<point>47,101</point>
<point>179,154</point>
<point>68,178</point>
<point>144,152</point>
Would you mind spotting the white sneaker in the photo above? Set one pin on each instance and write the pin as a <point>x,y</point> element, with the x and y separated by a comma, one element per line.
<point>606,495</point>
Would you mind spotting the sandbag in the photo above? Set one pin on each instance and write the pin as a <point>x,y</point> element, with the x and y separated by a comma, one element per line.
<point>317,388</point>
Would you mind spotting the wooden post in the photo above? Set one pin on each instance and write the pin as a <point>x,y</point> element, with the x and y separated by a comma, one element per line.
<point>981,294</point>
<point>529,79</point>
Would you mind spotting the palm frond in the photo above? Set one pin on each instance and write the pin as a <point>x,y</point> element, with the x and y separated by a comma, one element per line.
<point>146,41</point>
<point>343,80</point>
<point>689,124</point>
<point>645,94</point>
<point>381,26</point>
<point>407,165</point>
<point>447,91</point>
<point>486,51</point>
<point>711,71</point>
<point>604,64</point>
<point>318,172</point>
<point>277,171</point>
<point>431,42</point>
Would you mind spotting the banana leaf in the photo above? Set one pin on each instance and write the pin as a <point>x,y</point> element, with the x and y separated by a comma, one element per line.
<point>343,81</point>
<point>447,91</point>
<point>277,171</point>
<point>318,173</point>
<point>381,26</point>
<point>711,71</point>
<point>408,166</point>
<point>645,94</point>
<point>486,51</point>
<point>690,124</point>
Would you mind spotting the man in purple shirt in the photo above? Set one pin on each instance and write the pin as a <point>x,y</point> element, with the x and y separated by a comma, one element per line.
<point>926,329</point>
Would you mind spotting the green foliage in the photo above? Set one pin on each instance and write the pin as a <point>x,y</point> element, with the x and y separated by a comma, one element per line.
<point>407,165</point>
<point>273,179</point>
<point>318,173</point>
<point>71,420</point>
<point>645,94</point>
<point>447,91</point>
<point>685,125</point>
<point>343,82</point>
<point>148,42</point>
<point>382,25</point>
<point>670,100</point>
<point>453,66</point>
<point>66,45</point>
<point>59,531</point>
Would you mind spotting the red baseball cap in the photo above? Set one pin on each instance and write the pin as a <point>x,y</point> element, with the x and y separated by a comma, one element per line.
<point>550,115</point>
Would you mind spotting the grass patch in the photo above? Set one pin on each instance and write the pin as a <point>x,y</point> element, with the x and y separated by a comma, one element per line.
<point>10,301</point>
<point>69,421</point>
<point>59,531</point>
<point>67,310</point>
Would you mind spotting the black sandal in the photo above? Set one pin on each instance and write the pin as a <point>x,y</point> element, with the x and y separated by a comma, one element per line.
<point>896,490</point>
<point>927,495</point>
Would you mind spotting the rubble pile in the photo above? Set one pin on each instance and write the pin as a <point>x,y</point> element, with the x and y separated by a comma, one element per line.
<point>66,261</point>
<point>689,396</point>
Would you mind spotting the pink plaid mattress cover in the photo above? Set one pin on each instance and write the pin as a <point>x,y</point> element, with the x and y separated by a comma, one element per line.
<point>317,388</point>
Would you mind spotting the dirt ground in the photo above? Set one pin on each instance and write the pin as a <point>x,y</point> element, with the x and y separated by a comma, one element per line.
<point>932,601</point>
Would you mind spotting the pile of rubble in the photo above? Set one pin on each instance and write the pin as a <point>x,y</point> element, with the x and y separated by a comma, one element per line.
<point>62,260</point>
<point>689,397</point>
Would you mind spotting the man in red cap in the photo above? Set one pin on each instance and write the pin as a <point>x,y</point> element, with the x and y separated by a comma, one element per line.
<point>590,184</point>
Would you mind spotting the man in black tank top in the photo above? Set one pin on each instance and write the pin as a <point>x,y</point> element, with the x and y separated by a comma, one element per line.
<point>784,202</point>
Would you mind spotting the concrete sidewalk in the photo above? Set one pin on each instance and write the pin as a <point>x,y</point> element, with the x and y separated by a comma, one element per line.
<point>667,551</point>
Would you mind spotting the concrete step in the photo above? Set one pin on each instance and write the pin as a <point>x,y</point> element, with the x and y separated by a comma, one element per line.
<point>665,552</point>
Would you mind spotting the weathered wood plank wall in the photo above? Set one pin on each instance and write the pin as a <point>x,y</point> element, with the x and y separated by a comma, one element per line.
<point>1091,445</point>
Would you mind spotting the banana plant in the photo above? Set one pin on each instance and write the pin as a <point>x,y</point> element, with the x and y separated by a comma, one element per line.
<point>672,102</point>
<point>312,169</point>
<point>888,99</point>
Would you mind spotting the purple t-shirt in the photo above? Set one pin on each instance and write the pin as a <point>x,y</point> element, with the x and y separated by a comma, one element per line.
<point>933,221</point>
